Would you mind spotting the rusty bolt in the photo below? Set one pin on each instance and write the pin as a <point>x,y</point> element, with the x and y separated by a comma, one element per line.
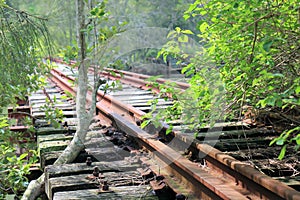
<point>180,197</point>
<point>105,186</point>
<point>88,161</point>
<point>96,171</point>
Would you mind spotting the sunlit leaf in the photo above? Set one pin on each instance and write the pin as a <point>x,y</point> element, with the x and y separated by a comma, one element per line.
<point>203,27</point>
<point>187,32</point>
<point>22,156</point>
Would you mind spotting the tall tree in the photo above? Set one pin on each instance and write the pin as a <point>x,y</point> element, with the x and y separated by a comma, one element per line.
<point>96,15</point>
<point>97,44</point>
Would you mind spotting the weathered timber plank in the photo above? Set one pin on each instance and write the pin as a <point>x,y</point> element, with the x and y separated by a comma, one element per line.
<point>95,143</point>
<point>149,107</point>
<point>41,101</point>
<point>49,90</point>
<point>117,193</point>
<point>53,137</point>
<point>81,181</point>
<point>258,153</point>
<point>218,127</point>
<point>107,153</point>
<point>65,113</point>
<point>237,144</point>
<point>57,105</point>
<point>34,97</point>
<point>41,123</point>
<point>128,99</point>
<point>289,181</point>
<point>90,142</point>
<point>144,101</point>
<point>51,130</point>
<point>50,157</point>
<point>68,183</point>
<point>231,134</point>
<point>63,108</point>
<point>49,146</point>
<point>80,168</point>
<point>145,104</point>
<point>97,134</point>
<point>57,145</point>
<point>133,92</point>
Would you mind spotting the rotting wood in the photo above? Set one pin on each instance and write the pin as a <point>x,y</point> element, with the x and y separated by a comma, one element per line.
<point>82,181</point>
<point>66,113</point>
<point>56,145</point>
<point>77,168</point>
<point>124,193</point>
<point>50,130</point>
<point>53,137</point>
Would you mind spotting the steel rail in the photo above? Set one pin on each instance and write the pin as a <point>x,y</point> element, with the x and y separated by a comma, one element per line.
<point>142,77</point>
<point>137,80</point>
<point>106,102</point>
<point>242,173</point>
<point>214,187</point>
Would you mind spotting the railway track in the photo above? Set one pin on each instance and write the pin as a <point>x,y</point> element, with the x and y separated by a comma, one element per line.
<point>217,175</point>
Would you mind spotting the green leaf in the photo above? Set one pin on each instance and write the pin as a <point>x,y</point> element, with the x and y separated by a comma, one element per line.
<point>203,27</point>
<point>64,97</point>
<point>169,130</point>
<point>271,100</point>
<point>178,30</point>
<point>297,90</point>
<point>192,7</point>
<point>280,141</point>
<point>93,12</point>
<point>236,5</point>
<point>273,141</point>
<point>186,16</point>
<point>23,156</point>
<point>171,33</point>
<point>297,139</point>
<point>255,81</point>
<point>204,12</point>
<point>282,152</point>
<point>145,123</point>
<point>267,45</point>
<point>187,32</point>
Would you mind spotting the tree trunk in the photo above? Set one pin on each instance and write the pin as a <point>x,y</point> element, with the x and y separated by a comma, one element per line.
<point>36,187</point>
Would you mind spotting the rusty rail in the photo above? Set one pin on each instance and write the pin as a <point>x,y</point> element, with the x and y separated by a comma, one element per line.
<point>107,103</point>
<point>137,80</point>
<point>214,187</point>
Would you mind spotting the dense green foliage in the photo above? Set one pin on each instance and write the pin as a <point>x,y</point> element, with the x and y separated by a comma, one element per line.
<point>245,66</point>
<point>258,44</point>
<point>22,37</point>
<point>13,167</point>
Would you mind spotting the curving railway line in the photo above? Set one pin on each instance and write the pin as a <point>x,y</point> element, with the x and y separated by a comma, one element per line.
<point>191,166</point>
